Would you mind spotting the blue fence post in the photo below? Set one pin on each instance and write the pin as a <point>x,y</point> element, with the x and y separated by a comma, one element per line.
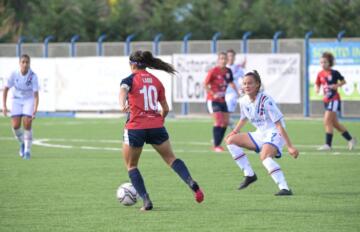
<point>127,44</point>
<point>340,35</point>
<point>99,49</point>
<point>73,45</point>
<point>186,42</point>
<point>214,42</point>
<point>185,105</point>
<point>19,44</point>
<point>46,45</point>
<point>306,86</point>
<point>156,43</point>
<point>275,41</point>
<point>244,40</point>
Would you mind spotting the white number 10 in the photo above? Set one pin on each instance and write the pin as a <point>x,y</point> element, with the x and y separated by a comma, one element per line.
<point>150,97</point>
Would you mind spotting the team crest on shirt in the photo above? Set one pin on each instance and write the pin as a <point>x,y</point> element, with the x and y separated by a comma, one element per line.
<point>29,79</point>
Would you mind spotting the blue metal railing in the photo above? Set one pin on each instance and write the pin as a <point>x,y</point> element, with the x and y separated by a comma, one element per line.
<point>214,42</point>
<point>306,79</point>
<point>127,44</point>
<point>340,35</point>
<point>275,41</point>
<point>19,45</point>
<point>185,105</point>
<point>244,41</point>
<point>99,50</point>
<point>46,45</point>
<point>156,43</point>
<point>73,45</point>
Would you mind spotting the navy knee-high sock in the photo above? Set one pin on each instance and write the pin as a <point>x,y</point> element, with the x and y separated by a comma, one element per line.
<point>328,139</point>
<point>180,168</point>
<point>347,136</point>
<point>217,131</point>
<point>223,130</point>
<point>138,182</point>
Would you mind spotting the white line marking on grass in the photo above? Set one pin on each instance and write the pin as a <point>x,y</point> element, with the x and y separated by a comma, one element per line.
<point>52,143</point>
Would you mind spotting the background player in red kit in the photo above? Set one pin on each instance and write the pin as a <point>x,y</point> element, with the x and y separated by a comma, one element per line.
<point>331,80</point>
<point>143,91</point>
<point>215,84</point>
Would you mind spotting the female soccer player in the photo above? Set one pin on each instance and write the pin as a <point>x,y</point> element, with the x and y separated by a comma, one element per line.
<point>268,139</point>
<point>232,96</point>
<point>215,84</point>
<point>331,80</point>
<point>25,103</point>
<point>139,96</point>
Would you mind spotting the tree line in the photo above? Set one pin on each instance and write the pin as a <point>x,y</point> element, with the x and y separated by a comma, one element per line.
<point>36,19</point>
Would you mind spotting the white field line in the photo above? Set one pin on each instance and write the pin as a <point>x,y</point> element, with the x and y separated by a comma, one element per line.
<point>52,143</point>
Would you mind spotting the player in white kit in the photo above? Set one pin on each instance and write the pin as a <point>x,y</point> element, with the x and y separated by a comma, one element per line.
<point>231,96</point>
<point>25,102</point>
<point>268,139</point>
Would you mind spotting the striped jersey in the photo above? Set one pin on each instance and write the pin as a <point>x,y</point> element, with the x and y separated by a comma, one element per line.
<point>24,85</point>
<point>263,113</point>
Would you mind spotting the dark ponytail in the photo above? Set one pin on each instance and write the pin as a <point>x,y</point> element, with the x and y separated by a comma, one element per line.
<point>145,59</point>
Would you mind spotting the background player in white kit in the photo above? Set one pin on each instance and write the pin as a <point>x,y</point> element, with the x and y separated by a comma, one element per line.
<point>268,139</point>
<point>25,102</point>
<point>231,96</point>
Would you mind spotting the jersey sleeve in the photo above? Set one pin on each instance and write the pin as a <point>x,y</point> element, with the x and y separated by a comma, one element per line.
<point>35,83</point>
<point>273,111</point>
<point>10,81</point>
<point>338,76</point>
<point>126,83</point>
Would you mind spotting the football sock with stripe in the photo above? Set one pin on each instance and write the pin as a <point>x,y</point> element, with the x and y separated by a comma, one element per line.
<point>27,140</point>
<point>138,182</point>
<point>241,159</point>
<point>275,172</point>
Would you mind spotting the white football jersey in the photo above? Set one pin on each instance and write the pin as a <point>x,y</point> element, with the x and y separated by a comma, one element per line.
<point>263,113</point>
<point>24,85</point>
<point>238,74</point>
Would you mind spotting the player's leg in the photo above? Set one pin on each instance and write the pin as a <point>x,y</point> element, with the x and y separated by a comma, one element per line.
<point>235,143</point>
<point>267,154</point>
<point>159,139</point>
<point>224,122</point>
<point>132,148</point>
<point>231,102</point>
<point>344,132</point>
<point>328,125</point>
<point>16,115</point>
<point>28,108</point>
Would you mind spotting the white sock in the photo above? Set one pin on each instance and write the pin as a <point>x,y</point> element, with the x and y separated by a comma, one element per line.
<point>241,159</point>
<point>27,140</point>
<point>275,171</point>
<point>19,135</point>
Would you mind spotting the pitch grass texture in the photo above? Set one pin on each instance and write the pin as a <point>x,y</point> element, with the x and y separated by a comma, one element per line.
<point>70,182</point>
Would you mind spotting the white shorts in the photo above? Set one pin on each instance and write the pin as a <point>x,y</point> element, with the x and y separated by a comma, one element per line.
<point>231,102</point>
<point>22,107</point>
<point>274,138</point>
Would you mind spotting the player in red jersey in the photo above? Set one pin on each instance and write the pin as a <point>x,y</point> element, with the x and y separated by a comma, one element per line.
<point>140,94</point>
<point>216,82</point>
<point>331,80</point>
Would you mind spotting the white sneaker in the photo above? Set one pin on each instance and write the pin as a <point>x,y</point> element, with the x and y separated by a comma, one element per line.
<point>352,143</point>
<point>324,147</point>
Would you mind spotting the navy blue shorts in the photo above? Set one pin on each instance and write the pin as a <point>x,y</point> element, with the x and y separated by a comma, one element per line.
<point>137,137</point>
<point>216,107</point>
<point>334,106</point>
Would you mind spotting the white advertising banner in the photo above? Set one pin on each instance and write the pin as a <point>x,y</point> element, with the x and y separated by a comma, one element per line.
<point>280,75</point>
<point>80,84</point>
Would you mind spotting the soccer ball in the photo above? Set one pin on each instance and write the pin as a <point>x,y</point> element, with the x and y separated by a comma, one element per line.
<point>126,194</point>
